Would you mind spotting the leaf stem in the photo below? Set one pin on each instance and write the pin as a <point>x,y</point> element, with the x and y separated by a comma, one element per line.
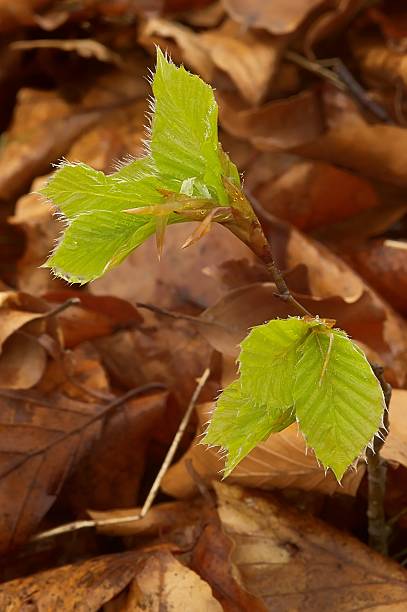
<point>376,468</point>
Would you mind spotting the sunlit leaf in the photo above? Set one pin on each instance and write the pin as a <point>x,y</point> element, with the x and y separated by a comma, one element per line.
<point>338,400</point>
<point>237,425</point>
<point>268,358</point>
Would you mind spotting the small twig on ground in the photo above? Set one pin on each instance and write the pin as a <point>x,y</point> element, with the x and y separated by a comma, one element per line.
<point>180,316</point>
<point>376,469</point>
<point>335,71</point>
<point>76,525</point>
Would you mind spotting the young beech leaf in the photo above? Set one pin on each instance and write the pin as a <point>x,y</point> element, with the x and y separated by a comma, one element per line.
<point>238,425</point>
<point>185,158</point>
<point>184,129</point>
<point>338,400</point>
<point>268,358</point>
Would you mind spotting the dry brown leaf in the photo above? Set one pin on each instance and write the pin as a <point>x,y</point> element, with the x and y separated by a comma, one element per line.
<point>44,127</point>
<point>211,558</point>
<point>395,447</point>
<point>281,461</point>
<point>110,470</point>
<point>94,317</point>
<point>373,150</point>
<point>296,562</point>
<point>84,586</point>
<point>24,323</point>
<point>250,60</point>
<point>379,63</point>
<point>41,229</point>
<point>180,281</point>
<point>278,125</point>
<point>313,194</point>
<point>279,17</point>
<point>331,22</point>
<point>158,520</point>
<point>160,352</point>
<point>383,263</point>
<point>43,436</point>
<point>164,583</point>
<point>85,47</point>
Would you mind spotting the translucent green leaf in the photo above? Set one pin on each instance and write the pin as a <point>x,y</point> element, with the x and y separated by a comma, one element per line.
<point>184,129</point>
<point>237,425</point>
<point>185,159</point>
<point>268,358</point>
<point>95,242</point>
<point>338,400</point>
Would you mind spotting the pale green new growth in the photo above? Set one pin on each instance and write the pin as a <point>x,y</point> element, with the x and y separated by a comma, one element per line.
<point>268,358</point>
<point>238,425</point>
<point>338,400</point>
<point>184,158</point>
<point>297,369</point>
<point>294,369</point>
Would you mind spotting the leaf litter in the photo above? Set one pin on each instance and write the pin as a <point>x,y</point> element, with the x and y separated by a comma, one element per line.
<point>323,160</point>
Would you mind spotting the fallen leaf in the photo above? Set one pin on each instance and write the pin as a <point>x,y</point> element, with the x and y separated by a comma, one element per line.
<point>158,520</point>
<point>94,316</point>
<point>24,321</point>
<point>211,558</point>
<point>41,440</point>
<point>395,447</point>
<point>378,62</point>
<point>250,60</point>
<point>282,461</point>
<point>165,584</point>
<point>383,263</point>
<point>373,150</point>
<point>85,47</point>
<point>313,194</point>
<point>84,586</point>
<point>331,22</point>
<point>280,17</point>
<point>293,561</point>
<point>177,281</point>
<point>110,470</point>
<point>278,125</point>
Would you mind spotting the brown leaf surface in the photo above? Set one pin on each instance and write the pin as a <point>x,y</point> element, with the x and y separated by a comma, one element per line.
<point>281,461</point>
<point>180,281</point>
<point>313,194</point>
<point>279,17</point>
<point>24,325</point>
<point>43,437</point>
<point>250,60</point>
<point>373,150</point>
<point>84,586</point>
<point>383,263</point>
<point>395,447</point>
<point>282,124</point>
<point>165,584</point>
<point>94,317</point>
<point>296,562</point>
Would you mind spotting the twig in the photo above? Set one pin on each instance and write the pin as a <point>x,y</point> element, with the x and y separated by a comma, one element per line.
<point>376,469</point>
<point>174,445</point>
<point>84,524</point>
<point>180,316</point>
<point>341,77</point>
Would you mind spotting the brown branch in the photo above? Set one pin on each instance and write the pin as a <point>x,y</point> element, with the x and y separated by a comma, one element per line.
<point>376,469</point>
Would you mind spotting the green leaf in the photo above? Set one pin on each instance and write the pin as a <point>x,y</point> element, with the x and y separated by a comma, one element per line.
<point>95,242</point>
<point>184,129</point>
<point>268,358</point>
<point>338,400</point>
<point>237,425</point>
<point>185,159</point>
